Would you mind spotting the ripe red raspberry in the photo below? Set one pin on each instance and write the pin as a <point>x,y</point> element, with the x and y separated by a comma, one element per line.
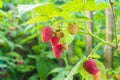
<point>46,34</point>
<point>58,50</point>
<point>54,40</point>
<point>90,66</point>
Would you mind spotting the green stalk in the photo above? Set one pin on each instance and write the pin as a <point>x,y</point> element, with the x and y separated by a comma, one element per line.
<point>103,41</point>
<point>95,49</point>
<point>93,35</point>
<point>65,59</point>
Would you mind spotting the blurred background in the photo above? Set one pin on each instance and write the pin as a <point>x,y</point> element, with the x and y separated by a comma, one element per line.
<point>23,55</point>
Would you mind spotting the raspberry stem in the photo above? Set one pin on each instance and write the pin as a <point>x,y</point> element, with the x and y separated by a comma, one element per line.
<point>95,49</point>
<point>99,39</point>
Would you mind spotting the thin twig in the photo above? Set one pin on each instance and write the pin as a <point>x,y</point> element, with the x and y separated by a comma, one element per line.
<point>114,19</point>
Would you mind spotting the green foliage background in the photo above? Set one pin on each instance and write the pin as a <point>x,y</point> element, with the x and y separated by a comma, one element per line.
<point>24,43</point>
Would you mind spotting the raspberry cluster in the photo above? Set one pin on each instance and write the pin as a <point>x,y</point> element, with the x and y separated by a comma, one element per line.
<point>48,35</point>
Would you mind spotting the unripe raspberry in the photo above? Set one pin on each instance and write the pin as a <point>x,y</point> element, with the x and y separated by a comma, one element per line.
<point>46,34</point>
<point>72,28</point>
<point>97,76</point>
<point>12,28</point>
<point>90,66</point>
<point>59,33</point>
<point>117,76</point>
<point>65,46</point>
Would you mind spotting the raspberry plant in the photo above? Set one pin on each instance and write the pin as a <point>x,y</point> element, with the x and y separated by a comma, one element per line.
<point>55,26</point>
<point>64,17</point>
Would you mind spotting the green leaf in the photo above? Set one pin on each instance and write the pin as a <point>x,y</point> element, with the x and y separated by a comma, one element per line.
<point>78,50</point>
<point>92,54</point>
<point>3,14</point>
<point>33,77</point>
<point>57,70</point>
<point>44,66</point>
<point>37,19</point>
<point>83,18</point>
<point>3,58</point>
<point>25,68</point>
<point>95,55</point>
<point>74,70</point>
<point>63,14</point>
<point>3,65</point>
<point>68,38</point>
<point>2,41</point>
<point>74,5</point>
<point>1,3</point>
<point>25,8</point>
<point>14,54</point>
<point>31,56</point>
<point>102,69</point>
<point>85,74</point>
<point>98,16</point>
<point>80,5</point>
<point>92,6</point>
<point>61,75</point>
<point>28,38</point>
<point>9,43</point>
<point>47,9</point>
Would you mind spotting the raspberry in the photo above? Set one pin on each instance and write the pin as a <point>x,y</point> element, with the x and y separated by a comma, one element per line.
<point>59,34</point>
<point>46,34</point>
<point>65,46</point>
<point>12,28</point>
<point>19,62</point>
<point>58,50</point>
<point>72,28</point>
<point>117,76</point>
<point>97,76</point>
<point>90,66</point>
<point>54,40</point>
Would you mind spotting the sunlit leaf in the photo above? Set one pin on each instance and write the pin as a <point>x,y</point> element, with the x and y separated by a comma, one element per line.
<point>102,69</point>
<point>74,70</point>
<point>44,66</point>
<point>61,75</point>
<point>47,9</point>
<point>1,3</point>
<point>92,6</point>
<point>74,5</point>
<point>68,38</point>
<point>37,19</point>
<point>80,5</point>
<point>25,8</point>
<point>95,55</point>
<point>57,70</point>
<point>3,14</point>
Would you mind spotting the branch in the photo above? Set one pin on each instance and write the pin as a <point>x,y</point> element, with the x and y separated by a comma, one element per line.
<point>114,19</point>
<point>96,37</point>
